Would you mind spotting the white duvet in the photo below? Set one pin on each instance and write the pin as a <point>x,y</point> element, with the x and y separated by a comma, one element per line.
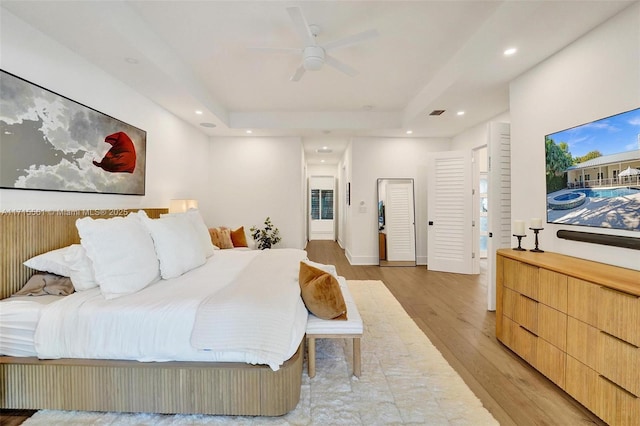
<point>156,323</point>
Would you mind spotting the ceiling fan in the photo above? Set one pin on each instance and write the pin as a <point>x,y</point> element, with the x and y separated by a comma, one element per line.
<point>314,55</point>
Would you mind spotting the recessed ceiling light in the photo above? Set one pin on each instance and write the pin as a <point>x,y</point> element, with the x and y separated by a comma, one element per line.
<point>460,112</point>
<point>207,125</point>
<point>249,131</point>
<point>409,132</point>
<point>510,51</point>
<point>132,61</point>
<point>198,112</point>
<point>324,150</point>
<point>322,161</point>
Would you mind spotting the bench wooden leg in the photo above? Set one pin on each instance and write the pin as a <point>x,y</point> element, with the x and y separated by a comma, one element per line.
<point>357,368</point>
<point>311,353</point>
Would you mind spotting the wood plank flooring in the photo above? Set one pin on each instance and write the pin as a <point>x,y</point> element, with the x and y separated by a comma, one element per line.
<point>451,310</point>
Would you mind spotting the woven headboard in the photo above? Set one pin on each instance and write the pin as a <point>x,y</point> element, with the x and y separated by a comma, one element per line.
<point>24,234</point>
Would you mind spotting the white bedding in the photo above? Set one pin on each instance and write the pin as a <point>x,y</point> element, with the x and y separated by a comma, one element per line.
<point>155,324</point>
<point>18,320</point>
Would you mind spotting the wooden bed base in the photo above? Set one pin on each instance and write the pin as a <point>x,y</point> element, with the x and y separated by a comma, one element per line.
<point>126,386</point>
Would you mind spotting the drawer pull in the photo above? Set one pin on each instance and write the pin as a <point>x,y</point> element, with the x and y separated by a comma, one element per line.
<point>618,386</point>
<point>527,297</point>
<point>619,339</point>
<point>620,292</point>
<point>527,330</point>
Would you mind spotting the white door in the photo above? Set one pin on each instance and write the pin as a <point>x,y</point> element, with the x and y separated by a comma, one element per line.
<point>499,197</point>
<point>449,195</point>
<point>400,222</point>
<point>321,208</point>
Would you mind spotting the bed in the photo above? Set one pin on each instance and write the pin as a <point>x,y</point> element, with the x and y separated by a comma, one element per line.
<point>206,386</point>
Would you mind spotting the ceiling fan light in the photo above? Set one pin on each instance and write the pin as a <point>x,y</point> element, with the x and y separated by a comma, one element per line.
<point>313,58</point>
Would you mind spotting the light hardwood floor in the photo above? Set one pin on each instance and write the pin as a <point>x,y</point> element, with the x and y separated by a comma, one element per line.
<point>451,310</point>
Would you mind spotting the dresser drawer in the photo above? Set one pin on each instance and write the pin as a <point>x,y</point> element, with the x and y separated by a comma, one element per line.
<point>526,313</point>
<point>623,314</point>
<point>552,326</point>
<point>509,301</point>
<point>581,383</point>
<point>582,341</point>
<point>527,280</point>
<point>519,340</point>
<point>551,361</point>
<point>582,300</point>
<point>619,361</point>
<point>615,405</point>
<point>552,290</point>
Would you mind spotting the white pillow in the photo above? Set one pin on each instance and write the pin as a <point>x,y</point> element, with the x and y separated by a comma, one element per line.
<point>52,261</point>
<point>200,227</point>
<point>330,269</point>
<point>81,267</point>
<point>121,249</point>
<point>177,245</point>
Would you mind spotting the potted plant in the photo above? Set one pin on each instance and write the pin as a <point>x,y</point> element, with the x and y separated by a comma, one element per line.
<point>267,236</point>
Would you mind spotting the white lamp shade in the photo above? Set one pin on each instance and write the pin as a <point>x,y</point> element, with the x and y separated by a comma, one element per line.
<point>180,206</point>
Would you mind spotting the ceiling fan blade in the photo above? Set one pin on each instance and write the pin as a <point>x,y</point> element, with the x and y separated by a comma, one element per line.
<point>351,40</point>
<point>298,74</point>
<point>340,66</point>
<point>278,49</point>
<point>301,26</point>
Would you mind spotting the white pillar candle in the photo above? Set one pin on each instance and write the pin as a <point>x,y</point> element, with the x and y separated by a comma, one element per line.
<point>536,223</point>
<point>518,227</point>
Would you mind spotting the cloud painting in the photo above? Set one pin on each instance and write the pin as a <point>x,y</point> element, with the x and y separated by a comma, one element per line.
<point>49,142</point>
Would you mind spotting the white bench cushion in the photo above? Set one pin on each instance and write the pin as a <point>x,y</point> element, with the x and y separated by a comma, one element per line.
<point>353,324</point>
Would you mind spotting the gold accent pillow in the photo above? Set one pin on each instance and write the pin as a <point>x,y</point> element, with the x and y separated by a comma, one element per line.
<point>321,293</point>
<point>238,238</point>
<point>221,237</point>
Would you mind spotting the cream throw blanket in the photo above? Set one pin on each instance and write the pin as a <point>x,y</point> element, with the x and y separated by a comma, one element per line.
<point>259,313</point>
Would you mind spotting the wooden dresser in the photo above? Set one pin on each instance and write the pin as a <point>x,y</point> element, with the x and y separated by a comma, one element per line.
<point>578,323</point>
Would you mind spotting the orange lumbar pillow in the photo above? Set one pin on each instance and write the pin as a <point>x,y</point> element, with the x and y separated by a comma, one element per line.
<point>238,238</point>
<point>321,293</point>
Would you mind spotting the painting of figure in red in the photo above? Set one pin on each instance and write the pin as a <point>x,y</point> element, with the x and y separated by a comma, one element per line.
<point>121,158</point>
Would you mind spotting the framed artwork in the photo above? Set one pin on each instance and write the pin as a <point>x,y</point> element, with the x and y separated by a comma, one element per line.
<point>51,143</point>
<point>348,193</point>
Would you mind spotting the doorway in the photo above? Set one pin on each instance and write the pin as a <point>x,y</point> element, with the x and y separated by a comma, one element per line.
<point>321,208</point>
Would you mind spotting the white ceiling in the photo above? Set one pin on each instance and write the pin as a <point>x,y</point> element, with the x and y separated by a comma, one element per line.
<point>193,55</point>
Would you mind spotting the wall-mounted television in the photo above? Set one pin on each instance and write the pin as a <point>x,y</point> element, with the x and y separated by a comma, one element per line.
<point>593,173</point>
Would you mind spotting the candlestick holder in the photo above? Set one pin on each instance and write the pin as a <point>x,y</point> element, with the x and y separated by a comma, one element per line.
<point>519,237</point>
<point>535,231</point>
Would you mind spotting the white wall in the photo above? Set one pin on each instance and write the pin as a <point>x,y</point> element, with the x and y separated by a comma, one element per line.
<point>373,158</point>
<point>176,151</point>
<point>251,178</point>
<point>595,77</point>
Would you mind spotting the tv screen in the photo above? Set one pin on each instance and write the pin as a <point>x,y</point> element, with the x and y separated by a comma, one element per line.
<point>593,173</point>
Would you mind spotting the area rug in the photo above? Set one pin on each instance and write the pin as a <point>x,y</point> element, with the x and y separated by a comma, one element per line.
<point>405,380</point>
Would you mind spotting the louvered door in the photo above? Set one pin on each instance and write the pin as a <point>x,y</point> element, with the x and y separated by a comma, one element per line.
<point>401,243</point>
<point>499,197</point>
<point>449,212</point>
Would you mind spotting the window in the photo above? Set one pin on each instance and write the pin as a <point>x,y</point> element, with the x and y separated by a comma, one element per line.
<point>322,204</point>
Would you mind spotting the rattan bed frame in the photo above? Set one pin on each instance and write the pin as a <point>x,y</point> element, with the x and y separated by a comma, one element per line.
<point>125,386</point>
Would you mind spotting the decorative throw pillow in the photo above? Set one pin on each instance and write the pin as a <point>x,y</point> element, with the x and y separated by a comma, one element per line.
<point>221,237</point>
<point>81,268</point>
<point>177,244</point>
<point>321,293</point>
<point>238,238</point>
<point>52,261</point>
<point>122,251</point>
<point>196,220</point>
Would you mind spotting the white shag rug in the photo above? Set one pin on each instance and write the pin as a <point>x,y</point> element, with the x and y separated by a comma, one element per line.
<point>405,380</point>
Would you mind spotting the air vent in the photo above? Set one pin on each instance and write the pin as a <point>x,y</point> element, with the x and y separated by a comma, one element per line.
<point>437,112</point>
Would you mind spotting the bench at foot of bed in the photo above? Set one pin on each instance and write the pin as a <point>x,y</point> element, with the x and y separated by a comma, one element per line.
<point>352,328</point>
